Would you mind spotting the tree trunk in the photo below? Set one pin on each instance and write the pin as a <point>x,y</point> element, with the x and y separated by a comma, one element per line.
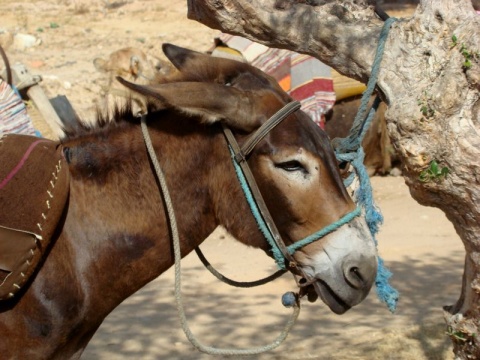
<point>430,80</point>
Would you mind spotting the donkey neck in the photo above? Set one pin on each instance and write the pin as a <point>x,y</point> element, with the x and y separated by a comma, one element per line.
<point>115,194</point>
<point>116,208</point>
<point>115,237</point>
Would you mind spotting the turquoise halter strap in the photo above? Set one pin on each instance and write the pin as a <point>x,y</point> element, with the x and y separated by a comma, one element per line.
<point>277,253</point>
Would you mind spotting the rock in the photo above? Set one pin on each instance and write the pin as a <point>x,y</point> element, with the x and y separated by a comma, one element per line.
<point>6,39</point>
<point>36,64</point>
<point>25,41</point>
<point>395,172</point>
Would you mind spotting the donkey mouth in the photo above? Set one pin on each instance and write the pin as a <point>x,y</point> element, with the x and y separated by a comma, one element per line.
<point>328,296</point>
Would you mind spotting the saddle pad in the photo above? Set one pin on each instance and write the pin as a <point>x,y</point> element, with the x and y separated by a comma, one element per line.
<point>34,186</point>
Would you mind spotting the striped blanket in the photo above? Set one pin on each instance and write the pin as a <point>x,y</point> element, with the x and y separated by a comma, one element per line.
<point>13,113</point>
<point>305,78</point>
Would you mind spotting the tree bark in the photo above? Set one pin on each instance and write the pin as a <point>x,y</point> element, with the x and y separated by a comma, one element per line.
<point>430,80</point>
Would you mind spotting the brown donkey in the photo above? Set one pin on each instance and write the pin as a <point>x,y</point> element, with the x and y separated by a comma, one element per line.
<point>114,238</point>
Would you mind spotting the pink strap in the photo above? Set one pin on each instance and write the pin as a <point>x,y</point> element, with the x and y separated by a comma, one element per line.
<point>20,163</point>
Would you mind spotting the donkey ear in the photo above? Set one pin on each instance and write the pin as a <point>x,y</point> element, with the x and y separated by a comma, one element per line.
<point>196,66</point>
<point>179,56</point>
<point>212,102</point>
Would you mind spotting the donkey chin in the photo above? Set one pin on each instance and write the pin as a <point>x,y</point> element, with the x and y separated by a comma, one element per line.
<point>343,271</point>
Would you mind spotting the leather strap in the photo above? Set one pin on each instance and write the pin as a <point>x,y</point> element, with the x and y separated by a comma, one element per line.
<point>263,130</point>
<point>242,153</point>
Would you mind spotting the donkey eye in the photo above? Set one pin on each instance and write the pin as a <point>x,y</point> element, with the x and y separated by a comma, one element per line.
<point>291,166</point>
<point>228,81</point>
<point>343,165</point>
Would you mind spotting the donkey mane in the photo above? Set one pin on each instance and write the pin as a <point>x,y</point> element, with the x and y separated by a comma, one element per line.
<point>118,116</point>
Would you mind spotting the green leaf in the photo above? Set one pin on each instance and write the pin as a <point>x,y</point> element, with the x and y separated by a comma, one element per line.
<point>433,172</point>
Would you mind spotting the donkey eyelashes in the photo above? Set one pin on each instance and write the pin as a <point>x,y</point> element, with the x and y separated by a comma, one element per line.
<point>292,166</point>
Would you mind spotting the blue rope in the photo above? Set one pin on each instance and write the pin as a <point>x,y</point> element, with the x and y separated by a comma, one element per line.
<point>350,149</point>
<point>256,212</point>
<point>347,149</point>
<point>325,231</point>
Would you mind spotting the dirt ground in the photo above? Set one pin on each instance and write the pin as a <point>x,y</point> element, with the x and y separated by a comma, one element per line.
<point>418,244</point>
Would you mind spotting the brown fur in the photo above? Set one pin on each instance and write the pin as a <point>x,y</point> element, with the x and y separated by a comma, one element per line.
<point>379,156</point>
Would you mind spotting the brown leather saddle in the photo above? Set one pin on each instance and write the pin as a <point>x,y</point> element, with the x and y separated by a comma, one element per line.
<point>34,187</point>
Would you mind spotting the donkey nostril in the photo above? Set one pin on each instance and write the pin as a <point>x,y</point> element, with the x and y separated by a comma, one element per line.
<point>359,272</point>
<point>355,271</point>
<point>354,277</point>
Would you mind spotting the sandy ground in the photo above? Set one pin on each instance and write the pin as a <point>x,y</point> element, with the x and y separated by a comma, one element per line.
<point>418,244</point>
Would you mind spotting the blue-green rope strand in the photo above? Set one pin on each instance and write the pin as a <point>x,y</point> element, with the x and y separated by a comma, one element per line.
<point>325,231</point>
<point>278,256</point>
<point>350,149</point>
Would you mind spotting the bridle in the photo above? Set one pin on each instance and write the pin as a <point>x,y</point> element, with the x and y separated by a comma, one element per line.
<point>239,157</point>
<point>266,224</point>
<point>282,254</point>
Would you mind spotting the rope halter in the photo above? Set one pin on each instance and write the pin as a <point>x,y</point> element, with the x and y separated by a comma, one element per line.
<point>281,253</point>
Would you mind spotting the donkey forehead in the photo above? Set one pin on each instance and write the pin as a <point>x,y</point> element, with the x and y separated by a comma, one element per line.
<point>300,132</point>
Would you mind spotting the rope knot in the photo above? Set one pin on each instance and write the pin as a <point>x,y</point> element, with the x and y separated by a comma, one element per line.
<point>289,299</point>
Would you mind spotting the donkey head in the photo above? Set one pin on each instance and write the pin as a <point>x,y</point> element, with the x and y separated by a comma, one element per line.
<point>294,165</point>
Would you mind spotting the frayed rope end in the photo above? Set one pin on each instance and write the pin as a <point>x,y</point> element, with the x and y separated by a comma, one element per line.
<point>385,292</point>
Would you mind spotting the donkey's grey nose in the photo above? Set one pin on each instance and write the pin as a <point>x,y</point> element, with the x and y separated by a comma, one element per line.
<point>360,273</point>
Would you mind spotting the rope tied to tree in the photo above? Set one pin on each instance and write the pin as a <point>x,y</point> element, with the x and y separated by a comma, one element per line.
<point>350,149</point>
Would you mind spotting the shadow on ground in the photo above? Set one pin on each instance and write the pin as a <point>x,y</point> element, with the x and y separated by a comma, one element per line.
<point>146,325</point>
